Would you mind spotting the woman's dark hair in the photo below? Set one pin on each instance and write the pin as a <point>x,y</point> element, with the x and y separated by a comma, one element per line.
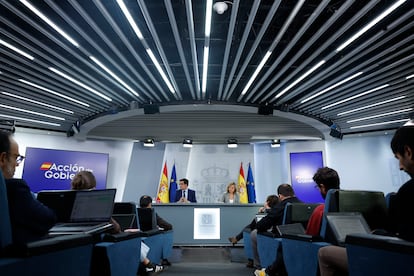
<point>272,200</point>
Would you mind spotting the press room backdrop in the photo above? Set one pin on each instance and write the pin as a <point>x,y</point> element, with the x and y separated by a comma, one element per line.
<point>364,163</point>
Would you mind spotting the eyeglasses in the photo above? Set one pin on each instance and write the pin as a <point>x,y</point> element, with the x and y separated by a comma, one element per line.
<point>19,158</point>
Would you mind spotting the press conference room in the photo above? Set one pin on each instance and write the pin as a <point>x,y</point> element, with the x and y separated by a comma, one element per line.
<point>259,93</point>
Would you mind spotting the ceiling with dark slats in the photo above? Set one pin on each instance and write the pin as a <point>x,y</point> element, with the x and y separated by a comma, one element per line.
<point>106,65</point>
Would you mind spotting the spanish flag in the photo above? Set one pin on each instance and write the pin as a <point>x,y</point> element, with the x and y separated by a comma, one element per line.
<point>163,195</point>
<point>242,186</point>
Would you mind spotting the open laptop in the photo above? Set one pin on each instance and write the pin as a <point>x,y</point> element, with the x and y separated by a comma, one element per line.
<point>291,229</point>
<point>343,224</point>
<point>90,213</point>
<point>147,219</point>
<point>125,213</point>
<point>60,201</point>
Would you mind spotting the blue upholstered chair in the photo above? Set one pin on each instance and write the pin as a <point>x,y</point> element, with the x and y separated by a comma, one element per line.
<point>389,198</point>
<point>301,252</point>
<point>370,254</point>
<point>159,242</point>
<point>248,250</point>
<point>118,254</point>
<point>269,243</point>
<point>63,255</point>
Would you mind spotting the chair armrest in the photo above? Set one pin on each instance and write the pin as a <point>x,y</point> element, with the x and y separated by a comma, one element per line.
<point>381,242</point>
<point>121,236</point>
<point>269,234</point>
<point>303,237</point>
<point>48,245</point>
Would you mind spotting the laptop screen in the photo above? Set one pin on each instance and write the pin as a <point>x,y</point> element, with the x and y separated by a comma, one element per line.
<point>291,229</point>
<point>147,219</point>
<point>59,201</point>
<point>343,224</point>
<point>95,205</point>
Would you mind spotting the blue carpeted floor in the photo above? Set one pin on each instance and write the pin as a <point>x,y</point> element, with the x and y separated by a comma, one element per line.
<point>203,261</point>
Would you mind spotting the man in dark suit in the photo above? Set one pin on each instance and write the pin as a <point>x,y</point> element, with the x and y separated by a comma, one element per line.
<point>30,219</point>
<point>185,195</point>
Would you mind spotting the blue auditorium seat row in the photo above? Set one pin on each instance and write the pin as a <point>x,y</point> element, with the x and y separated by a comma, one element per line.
<point>78,254</point>
<point>368,254</point>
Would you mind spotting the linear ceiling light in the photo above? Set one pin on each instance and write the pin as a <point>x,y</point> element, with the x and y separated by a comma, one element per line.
<point>356,96</point>
<point>409,77</point>
<point>380,115</point>
<point>256,72</point>
<point>187,143</point>
<point>209,8</point>
<point>80,84</point>
<point>37,102</point>
<point>17,50</point>
<point>371,105</point>
<point>29,120</point>
<point>275,143</point>
<point>137,31</point>
<point>370,25</point>
<point>131,21</point>
<point>319,64</point>
<point>331,87</point>
<point>113,75</point>
<point>232,143</point>
<point>382,123</point>
<point>149,142</point>
<point>53,92</point>
<point>31,112</point>
<point>49,22</point>
<point>158,66</point>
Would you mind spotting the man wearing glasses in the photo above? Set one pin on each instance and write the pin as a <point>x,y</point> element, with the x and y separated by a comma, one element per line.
<point>30,219</point>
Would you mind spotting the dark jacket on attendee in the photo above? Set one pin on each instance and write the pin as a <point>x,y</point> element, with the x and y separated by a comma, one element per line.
<point>275,215</point>
<point>30,219</point>
<point>401,212</point>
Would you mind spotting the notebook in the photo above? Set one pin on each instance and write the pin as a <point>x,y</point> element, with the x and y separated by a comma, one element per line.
<point>90,213</point>
<point>343,224</point>
<point>259,216</point>
<point>147,219</point>
<point>290,229</point>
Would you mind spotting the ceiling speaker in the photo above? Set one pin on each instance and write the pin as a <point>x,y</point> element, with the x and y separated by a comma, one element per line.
<point>151,109</point>
<point>336,133</point>
<point>265,110</point>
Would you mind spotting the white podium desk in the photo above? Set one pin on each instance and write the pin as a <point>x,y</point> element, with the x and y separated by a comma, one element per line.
<point>201,224</point>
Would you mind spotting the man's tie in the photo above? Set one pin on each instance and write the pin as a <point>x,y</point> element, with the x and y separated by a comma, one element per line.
<point>183,194</point>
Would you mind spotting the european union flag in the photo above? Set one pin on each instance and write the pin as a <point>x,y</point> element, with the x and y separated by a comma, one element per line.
<point>251,193</point>
<point>173,184</point>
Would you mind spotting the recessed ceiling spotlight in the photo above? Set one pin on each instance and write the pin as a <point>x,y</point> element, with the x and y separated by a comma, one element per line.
<point>232,143</point>
<point>187,143</point>
<point>275,143</point>
<point>149,142</point>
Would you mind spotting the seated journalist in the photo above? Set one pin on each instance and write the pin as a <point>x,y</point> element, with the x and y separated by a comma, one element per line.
<point>85,180</point>
<point>333,259</point>
<point>30,219</point>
